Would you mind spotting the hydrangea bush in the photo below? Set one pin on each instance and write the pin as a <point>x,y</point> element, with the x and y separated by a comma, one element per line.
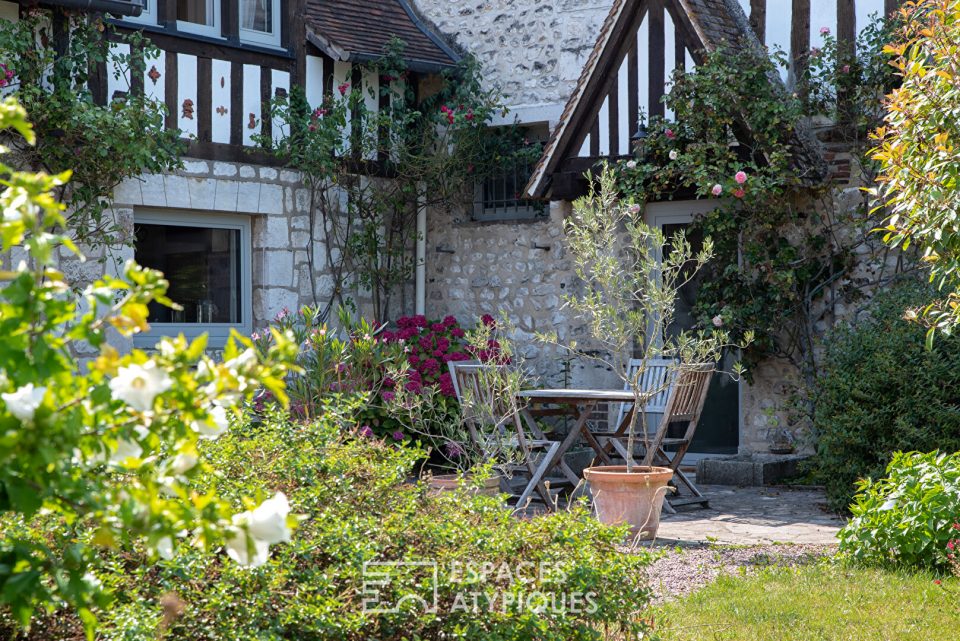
<point>401,368</point>
<point>108,445</point>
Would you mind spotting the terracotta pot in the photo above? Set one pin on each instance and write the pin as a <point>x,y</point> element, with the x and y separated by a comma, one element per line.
<point>449,482</point>
<point>632,498</point>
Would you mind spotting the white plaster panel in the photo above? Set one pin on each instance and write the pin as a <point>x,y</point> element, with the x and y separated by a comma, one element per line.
<point>118,73</point>
<point>314,81</point>
<point>867,10</point>
<point>279,80</point>
<point>187,90</point>
<point>604,134</point>
<point>670,58</point>
<point>643,73</point>
<point>155,89</point>
<point>220,101</point>
<point>624,117</point>
<point>251,102</point>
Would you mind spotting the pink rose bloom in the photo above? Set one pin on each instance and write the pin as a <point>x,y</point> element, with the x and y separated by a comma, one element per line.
<point>824,31</point>
<point>343,88</point>
<point>845,69</point>
<point>717,190</point>
<point>717,321</point>
<point>634,208</point>
<point>740,177</point>
<point>669,134</point>
<point>738,193</point>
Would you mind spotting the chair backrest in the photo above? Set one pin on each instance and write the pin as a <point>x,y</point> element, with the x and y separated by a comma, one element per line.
<point>687,397</point>
<point>484,409</point>
<point>452,366</point>
<point>656,376</point>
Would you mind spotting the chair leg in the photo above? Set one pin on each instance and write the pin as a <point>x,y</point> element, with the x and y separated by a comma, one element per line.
<point>536,477</point>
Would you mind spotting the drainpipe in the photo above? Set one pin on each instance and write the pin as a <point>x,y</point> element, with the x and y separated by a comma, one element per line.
<point>421,273</point>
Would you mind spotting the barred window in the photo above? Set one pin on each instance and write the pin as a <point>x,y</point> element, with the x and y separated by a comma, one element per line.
<point>500,195</point>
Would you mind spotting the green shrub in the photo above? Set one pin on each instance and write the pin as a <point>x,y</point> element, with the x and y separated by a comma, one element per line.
<point>908,517</point>
<point>360,506</point>
<point>882,391</point>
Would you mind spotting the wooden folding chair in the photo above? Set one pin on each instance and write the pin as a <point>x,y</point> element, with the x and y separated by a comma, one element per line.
<point>489,417</point>
<point>659,376</point>
<point>681,391</point>
<point>684,405</point>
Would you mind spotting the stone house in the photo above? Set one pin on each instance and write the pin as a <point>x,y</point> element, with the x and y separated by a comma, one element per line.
<point>584,71</point>
<point>232,230</point>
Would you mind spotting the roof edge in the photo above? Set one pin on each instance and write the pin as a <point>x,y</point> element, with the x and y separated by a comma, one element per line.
<point>429,31</point>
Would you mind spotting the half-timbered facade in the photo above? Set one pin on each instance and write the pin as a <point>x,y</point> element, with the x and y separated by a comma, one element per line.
<point>520,265</point>
<point>232,230</point>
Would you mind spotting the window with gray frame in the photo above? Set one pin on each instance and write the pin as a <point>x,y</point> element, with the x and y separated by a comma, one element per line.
<point>500,196</point>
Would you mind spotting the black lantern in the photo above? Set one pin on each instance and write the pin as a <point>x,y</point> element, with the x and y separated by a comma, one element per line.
<point>639,140</point>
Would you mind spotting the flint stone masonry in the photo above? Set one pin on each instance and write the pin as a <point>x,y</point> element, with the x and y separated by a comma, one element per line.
<point>531,50</point>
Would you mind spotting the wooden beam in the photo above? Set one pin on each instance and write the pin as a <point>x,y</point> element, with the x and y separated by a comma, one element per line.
<point>275,59</point>
<point>170,89</point>
<point>266,97</point>
<point>204,99</point>
<point>889,6</point>
<point>846,29</point>
<point>136,70</point>
<point>595,137</point>
<point>799,38</point>
<point>236,103</point>
<point>758,18</point>
<point>656,57</point>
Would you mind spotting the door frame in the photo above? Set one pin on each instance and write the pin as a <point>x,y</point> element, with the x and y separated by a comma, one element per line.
<point>658,214</point>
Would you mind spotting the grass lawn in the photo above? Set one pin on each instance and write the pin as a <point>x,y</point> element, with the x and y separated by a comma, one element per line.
<point>827,602</point>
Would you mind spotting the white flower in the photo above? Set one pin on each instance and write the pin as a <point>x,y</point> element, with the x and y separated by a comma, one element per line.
<point>717,321</point>
<point>238,550</point>
<point>182,463</point>
<point>268,522</point>
<point>126,450</point>
<point>631,164</point>
<point>23,402</point>
<point>673,154</point>
<point>244,360</point>
<point>214,425</point>
<point>138,385</point>
<point>164,548</point>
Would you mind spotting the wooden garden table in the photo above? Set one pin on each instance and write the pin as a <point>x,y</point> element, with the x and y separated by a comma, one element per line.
<point>579,403</point>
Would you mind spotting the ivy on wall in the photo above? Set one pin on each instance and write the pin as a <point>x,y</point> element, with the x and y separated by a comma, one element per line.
<point>49,58</point>
<point>787,240</point>
<point>368,170</point>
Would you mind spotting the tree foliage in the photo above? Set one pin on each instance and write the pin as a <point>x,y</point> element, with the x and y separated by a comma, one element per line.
<point>919,150</point>
<point>108,445</point>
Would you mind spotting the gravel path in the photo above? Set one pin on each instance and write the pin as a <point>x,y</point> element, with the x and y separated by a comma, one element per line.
<point>686,570</point>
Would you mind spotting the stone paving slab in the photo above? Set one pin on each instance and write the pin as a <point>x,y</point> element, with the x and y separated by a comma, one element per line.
<point>751,516</point>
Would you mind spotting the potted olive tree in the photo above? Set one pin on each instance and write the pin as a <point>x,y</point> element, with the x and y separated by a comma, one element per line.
<point>631,278</point>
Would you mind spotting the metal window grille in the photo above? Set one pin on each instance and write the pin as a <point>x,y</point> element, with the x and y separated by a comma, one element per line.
<point>500,197</point>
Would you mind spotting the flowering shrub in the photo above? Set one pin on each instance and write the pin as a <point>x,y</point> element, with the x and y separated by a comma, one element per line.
<point>111,445</point>
<point>410,357</point>
<point>362,509</point>
<point>907,518</point>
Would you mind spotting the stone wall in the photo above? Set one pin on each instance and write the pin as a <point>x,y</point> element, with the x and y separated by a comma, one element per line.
<point>521,269</point>
<point>531,50</point>
<point>277,204</point>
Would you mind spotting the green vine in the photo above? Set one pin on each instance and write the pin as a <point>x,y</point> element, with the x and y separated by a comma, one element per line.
<point>368,170</point>
<point>788,242</point>
<point>49,58</point>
